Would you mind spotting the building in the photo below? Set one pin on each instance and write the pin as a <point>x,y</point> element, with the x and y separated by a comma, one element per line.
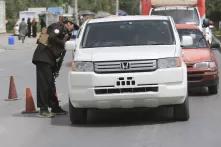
<point>2,17</point>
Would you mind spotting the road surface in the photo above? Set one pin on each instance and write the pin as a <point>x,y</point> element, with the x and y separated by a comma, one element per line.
<point>111,128</point>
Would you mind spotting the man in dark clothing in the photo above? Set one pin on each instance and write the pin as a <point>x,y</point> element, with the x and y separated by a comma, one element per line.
<point>42,23</point>
<point>29,27</point>
<point>34,27</point>
<point>22,30</point>
<point>48,59</point>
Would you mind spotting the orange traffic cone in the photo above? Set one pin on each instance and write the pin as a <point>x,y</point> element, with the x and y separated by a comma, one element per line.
<point>30,106</point>
<point>12,94</point>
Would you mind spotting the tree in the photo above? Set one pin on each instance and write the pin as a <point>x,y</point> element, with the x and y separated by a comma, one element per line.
<point>213,10</point>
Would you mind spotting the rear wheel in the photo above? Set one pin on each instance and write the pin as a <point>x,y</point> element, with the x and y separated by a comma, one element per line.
<point>77,115</point>
<point>181,111</point>
<point>213,89</point>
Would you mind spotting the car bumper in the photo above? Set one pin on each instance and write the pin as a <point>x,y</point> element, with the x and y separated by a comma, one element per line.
<point>128,90</point>
<point>202,78</point>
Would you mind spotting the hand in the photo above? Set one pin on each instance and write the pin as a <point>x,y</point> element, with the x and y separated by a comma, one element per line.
<point>67,37</point>
<point>56,74</point>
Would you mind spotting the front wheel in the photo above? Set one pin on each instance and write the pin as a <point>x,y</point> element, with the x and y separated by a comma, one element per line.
<point>77,115</point>
<point>181,111</point>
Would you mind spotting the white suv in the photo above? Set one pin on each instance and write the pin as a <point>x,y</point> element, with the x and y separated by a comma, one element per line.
<point>128,62</point>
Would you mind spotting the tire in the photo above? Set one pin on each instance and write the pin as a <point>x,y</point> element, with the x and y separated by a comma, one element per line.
<point>181,111</point>
<point>77,115</point>
<point>213,89</point>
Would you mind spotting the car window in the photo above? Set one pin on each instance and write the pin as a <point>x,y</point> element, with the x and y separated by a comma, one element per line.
<point>199,40</point>
<point>180,16</point>
<point>128,33</point>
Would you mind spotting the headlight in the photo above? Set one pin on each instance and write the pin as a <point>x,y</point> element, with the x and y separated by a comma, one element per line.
<point>81,66</point>
<point>169,62</point>
<point>205,65</point>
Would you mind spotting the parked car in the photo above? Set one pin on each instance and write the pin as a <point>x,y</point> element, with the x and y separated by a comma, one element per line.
<point>127,62</point>
<point>201,62</point>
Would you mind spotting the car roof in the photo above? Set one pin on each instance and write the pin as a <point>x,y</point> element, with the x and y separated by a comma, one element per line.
<point>186,26</point>
<point>128,18</point>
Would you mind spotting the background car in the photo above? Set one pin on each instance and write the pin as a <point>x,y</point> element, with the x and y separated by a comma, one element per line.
<point>201,63</point>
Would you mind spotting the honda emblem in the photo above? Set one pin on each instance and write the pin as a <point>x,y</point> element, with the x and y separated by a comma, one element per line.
<point>125,65</point>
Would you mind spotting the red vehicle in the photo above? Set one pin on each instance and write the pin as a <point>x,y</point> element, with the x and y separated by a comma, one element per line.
<point>146,6</point>
<point>200,60</point>
<point>182,11</point>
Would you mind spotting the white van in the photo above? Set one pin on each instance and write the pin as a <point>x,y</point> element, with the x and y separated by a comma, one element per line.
<point>127,62</point>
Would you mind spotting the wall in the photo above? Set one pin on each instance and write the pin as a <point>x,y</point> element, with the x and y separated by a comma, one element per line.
<point>2,17</point>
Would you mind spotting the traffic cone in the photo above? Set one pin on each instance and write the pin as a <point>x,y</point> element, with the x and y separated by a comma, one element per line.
<point>12,94</point>
<point>30,106</point>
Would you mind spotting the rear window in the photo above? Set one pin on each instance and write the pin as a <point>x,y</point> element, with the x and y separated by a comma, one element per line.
<point>180,15</point>
<point>199,40</point>
<point>128,33</point>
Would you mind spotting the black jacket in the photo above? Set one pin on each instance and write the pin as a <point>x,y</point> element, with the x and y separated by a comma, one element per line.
<point>42,54</point>
<point>56,42</point>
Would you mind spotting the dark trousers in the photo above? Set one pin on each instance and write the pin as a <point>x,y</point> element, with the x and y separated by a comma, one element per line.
<point>46,90</point>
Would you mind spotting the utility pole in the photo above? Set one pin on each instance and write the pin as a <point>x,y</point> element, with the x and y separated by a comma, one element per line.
<point>117,6</point>
<point>76,11</point>
<point>75,3</point>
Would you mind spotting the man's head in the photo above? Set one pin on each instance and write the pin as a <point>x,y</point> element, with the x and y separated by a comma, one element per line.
<point>69,24</point>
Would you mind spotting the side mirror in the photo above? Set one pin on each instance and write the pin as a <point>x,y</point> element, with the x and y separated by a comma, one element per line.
<point>186,41</point>
<point>215,45</point>
<point>70,45</point>
<point>206,23</point>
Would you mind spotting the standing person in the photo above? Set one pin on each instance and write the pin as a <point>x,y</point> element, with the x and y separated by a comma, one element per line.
<point>22,30</point>
<point>29,27</point>
<point>48,57</point>
<point>61,19</point>
<point>34,27</point>
<point>42,23</point>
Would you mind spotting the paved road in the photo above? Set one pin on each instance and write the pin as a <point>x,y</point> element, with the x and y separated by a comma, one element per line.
<point>112,128</point>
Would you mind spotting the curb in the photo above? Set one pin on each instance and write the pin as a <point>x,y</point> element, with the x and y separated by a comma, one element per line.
<point>218,41</point>
<point>2,50</point>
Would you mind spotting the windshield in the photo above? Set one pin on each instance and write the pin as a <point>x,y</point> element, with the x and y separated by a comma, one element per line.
<point>128,33</point>
<point>180,15</point>
<point>199,40</point>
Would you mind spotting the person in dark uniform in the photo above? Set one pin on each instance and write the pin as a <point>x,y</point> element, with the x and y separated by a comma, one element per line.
<point>29,27</point>
<point>42,23</point>
<point>48,57</point>
<point>34,28</point>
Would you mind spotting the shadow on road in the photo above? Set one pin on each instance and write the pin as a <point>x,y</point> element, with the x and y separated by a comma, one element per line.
<point>199,91</point>
<point>120,117</point>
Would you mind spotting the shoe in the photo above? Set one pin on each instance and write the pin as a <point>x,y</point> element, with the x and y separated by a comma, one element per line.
<point>58,111</point>
<point>46,114</point>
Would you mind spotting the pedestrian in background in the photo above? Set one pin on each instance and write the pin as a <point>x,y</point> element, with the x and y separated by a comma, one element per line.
<point>34,28</point>
<point>48,58</point>
<point>22,30</point>
<point>29,27</point>
<point>61,19</point>
<point>42,24</point>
